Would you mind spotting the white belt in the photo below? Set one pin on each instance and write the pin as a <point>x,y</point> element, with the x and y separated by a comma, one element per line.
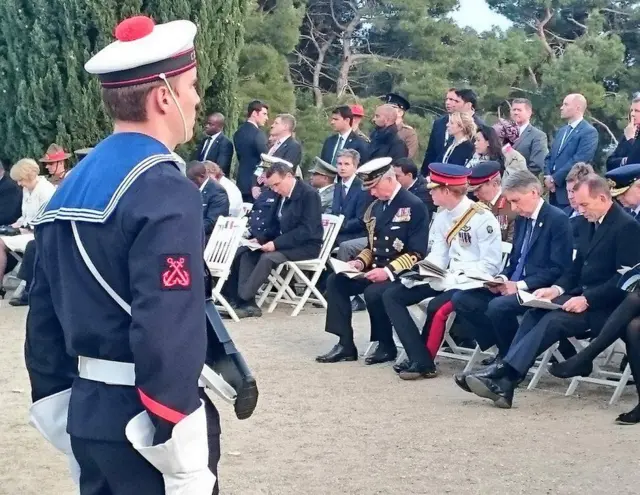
<point>119,373</point>
<point>109,372</point>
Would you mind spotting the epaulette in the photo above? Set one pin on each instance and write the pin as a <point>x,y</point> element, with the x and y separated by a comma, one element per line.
<point>480,207</point>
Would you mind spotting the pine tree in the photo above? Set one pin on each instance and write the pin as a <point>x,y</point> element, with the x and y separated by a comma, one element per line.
<point>45,94</point>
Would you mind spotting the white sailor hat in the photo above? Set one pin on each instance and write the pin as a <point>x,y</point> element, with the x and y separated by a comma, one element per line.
<point>145,52</point>
<point>372,171</point>
<point>267,161</point>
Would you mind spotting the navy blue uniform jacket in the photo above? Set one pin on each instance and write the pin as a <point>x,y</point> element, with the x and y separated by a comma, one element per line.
<point>142,227</point>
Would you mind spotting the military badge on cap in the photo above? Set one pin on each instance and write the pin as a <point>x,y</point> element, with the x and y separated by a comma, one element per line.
<point>397,101</point>
<point>145,51</point>
<point>445,174</point>
<point>372,171</point>
<point>321,167</point>
<point>621,179</point>
<point>268,161</point>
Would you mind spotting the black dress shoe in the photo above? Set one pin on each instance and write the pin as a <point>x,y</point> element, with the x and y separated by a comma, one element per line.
<point>489,371</point>
<point>19,301</point>
<point>499,390</point>
<point>418,371</point>
<point>339,353</point>
<point>358,304</point>
<point>570,368</point>
<point>489,361</point>
<point>248,310</point>
<point>630,418</point>
<point>382,354</point>
<point>398,367</point>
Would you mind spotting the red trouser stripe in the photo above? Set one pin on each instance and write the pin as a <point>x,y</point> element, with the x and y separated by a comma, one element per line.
<point>160,410</point>
<point>438,326</point>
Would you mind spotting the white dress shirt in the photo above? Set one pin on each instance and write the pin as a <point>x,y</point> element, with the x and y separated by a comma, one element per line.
<point>34,200</point>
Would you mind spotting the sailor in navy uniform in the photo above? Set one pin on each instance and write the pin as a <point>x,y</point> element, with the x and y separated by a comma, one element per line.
<point>116,331</point>
<point>398,228</point>
<point>261,216</point>
<point>624,183</point>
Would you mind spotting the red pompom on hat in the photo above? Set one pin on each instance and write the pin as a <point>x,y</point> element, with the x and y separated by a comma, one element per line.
<point>134,28</point>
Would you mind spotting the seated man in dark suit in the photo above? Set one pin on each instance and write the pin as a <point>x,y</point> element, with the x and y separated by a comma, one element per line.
<point>217,147</point>
<point>10,198</point>
<point>296,234</point>
<point>587,291</point>
<point>578,172</point>
<point>407,175</point>
<point>397,226</point>
<point>625,187</point>
<point>346,137</point>
<point>215,202</point>
<point>540,254</point>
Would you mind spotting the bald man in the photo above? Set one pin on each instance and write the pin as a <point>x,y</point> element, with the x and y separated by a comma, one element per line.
<point>575,142</point>
<point>384,138</point>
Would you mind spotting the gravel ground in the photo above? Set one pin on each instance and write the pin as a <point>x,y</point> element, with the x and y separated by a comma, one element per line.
<point>352,429</point>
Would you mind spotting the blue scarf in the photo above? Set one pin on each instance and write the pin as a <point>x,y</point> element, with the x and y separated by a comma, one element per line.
<point>90,191</point>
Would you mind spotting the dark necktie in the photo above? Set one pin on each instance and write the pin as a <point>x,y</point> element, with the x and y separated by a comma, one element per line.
<point>343,193</point>
<point>524,250</point>
<point>338,148</point>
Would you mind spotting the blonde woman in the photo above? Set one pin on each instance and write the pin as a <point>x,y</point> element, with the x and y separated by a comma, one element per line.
<point>463,129</point>
<point>36,191</point>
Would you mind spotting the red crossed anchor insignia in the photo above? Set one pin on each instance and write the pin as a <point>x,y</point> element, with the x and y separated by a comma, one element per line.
<point>176,274</point>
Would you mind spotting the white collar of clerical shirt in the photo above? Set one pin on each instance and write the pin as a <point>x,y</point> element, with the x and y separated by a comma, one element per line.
<point>204,184</point>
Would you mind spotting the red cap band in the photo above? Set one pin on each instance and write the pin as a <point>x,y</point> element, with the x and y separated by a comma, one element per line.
<point>447,180</point>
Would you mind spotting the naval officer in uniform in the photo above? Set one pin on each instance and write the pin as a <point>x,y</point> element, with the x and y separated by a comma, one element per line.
<point>116,331</point>
<point>624,183</point>
<point>397,235</point>
<point>464,239</point>
<point>405,132</point>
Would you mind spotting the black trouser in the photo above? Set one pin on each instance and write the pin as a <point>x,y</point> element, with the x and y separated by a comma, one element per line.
<point>338,322</point>
<point>250,269</point>
<point>116,468</point>
<point>28,262</point>
<point>396,302</point>
<point>624,323</point>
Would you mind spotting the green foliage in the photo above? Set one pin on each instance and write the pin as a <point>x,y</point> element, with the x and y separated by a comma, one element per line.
<point>45,94</point>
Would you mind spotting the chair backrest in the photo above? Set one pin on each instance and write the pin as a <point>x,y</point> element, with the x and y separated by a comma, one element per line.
<point>246,208</point>
<point>331,225</point>
<point>506,251</point>
<point>223,243</point>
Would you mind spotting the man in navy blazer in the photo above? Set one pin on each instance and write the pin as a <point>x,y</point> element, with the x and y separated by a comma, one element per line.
<point>349,199</point>
<point>345,137</point>
<point>217,147</point>
<point>575,142</point>
<point>541,252</point>
<point>250,142</point>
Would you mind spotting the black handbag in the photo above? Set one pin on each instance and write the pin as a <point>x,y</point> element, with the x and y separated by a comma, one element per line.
<point>8,230</point>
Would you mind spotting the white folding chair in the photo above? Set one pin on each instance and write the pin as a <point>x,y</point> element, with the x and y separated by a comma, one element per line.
<point>219,253</point>
<point>331,225</point>
<point>600,376</point>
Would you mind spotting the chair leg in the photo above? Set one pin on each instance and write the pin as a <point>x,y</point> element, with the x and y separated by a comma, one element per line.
<point>283,287</point>
<point>225,304</point>
<point>370,348</point>
<point>311,288</point>
<point>542,367</point>
<point>624,379</point>
<point>571,389</point>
